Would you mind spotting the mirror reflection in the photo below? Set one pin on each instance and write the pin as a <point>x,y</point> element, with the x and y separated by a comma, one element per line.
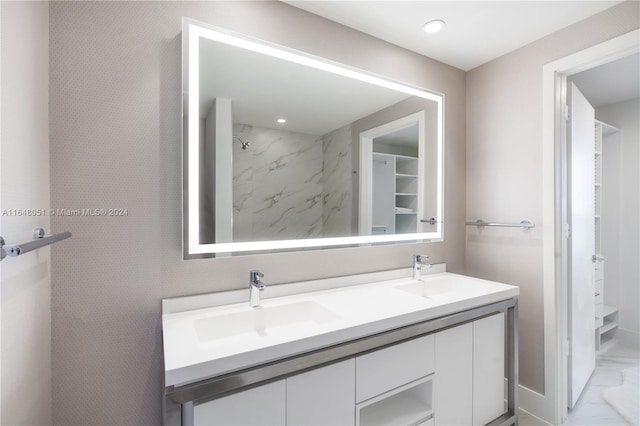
<point>290,152</point>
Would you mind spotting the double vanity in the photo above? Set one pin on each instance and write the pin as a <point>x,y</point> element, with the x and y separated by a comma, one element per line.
<point>373,349</point>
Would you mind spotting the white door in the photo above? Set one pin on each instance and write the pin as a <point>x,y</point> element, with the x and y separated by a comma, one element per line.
<point>581,319</point>
<point>383,198</point>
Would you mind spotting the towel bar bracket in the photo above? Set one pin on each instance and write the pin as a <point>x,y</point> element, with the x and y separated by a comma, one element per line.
<point>39,240</point>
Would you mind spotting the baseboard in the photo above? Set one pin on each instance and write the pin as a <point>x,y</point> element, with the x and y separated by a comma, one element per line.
<point>538,419</point>
<point>532,403</point>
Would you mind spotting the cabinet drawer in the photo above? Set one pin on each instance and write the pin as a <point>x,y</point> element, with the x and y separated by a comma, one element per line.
<point>386,369</point>
<point>599,270</point>
<point>599,320</point>
<point>599,297</point>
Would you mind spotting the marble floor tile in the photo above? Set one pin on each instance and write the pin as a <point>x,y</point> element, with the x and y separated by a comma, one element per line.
<point>591,408</point>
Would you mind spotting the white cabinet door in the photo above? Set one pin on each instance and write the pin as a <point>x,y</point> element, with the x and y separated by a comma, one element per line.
<point>325,396</point>
<point>452,395</point>
<point>488,369</point>
<point>263,405</point>
<point>469,384</point>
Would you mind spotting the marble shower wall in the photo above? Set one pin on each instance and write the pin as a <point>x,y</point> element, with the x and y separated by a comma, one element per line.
<point>277,185</point>
<point>337,191</point>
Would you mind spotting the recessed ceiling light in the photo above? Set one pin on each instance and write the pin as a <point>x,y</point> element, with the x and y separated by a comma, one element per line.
<point>281,120</point>
<point>434,26</point>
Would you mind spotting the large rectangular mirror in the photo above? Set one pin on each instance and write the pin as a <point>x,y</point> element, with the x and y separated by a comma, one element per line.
<point>285,150</point>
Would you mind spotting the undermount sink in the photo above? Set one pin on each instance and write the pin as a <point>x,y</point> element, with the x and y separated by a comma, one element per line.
<point>263,321</point>
<point>445,287</point>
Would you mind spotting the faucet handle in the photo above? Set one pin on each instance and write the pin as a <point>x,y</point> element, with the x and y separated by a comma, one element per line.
<point>419,258</point>
<point>254,279</point>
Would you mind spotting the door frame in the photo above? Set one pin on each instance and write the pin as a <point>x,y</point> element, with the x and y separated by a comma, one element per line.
<point>1,230</point>
<point>554,185</point>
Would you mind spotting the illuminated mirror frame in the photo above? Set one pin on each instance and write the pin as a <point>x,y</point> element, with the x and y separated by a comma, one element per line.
<point>192,32</point>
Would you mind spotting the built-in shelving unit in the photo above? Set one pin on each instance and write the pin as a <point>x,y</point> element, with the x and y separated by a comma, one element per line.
<point>395,195</point>
<point>406,194</point>
<point>606,317</point>
<point>607,332</point>
<point>598,258</point>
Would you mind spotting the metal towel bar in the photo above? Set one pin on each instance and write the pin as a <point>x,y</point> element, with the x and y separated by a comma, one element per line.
<point>39,240</point>
<point>525,224</point>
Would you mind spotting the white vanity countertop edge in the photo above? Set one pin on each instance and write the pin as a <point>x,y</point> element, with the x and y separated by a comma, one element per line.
<point>364,310</point>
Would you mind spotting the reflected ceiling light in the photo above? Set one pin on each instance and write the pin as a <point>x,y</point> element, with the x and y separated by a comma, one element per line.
<point>434,26</point>
<point>281,120</point>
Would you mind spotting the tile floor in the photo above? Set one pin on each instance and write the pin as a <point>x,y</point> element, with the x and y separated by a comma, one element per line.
<point>591,408</point>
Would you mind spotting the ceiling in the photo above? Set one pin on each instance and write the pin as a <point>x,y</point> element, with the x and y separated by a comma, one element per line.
<point>263,89</point>
<point>614,82</point>
<point>244,75</point>
<point>408,137</point>
<point>476,31</point>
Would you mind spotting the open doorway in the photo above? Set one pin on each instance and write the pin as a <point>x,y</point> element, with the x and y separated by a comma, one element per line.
<point>603,248</point>
<point>559,234</point>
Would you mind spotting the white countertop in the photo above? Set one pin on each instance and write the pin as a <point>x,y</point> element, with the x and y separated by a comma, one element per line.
<point>207,342</point>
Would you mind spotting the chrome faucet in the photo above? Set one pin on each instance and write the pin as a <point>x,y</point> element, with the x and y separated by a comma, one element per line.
<point>419,260</point>
<point>255,287</point>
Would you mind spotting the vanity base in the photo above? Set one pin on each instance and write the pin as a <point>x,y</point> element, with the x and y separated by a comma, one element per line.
<point>179,400</point>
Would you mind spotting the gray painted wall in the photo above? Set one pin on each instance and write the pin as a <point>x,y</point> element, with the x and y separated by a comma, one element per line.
<point>504,168</point>
<point>25,281</point>
<point>116,143</point>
